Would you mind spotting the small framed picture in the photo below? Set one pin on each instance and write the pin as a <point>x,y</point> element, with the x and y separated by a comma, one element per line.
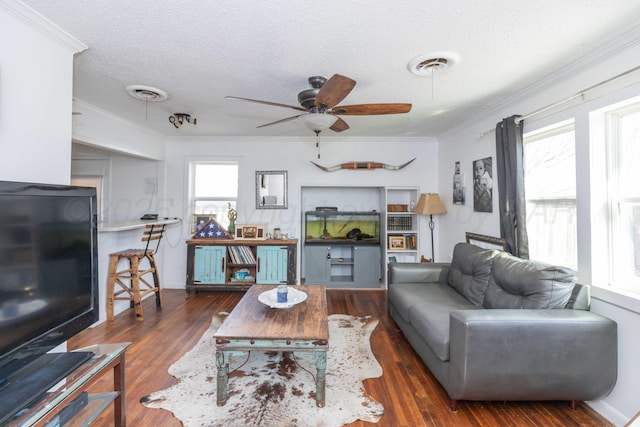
<point>397,243</point>
<point>200,220</point>
<point>251,231</point>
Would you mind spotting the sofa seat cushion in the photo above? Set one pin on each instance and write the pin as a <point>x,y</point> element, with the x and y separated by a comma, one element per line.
<point>524,284</point>
<point>470,271</point>
<point>431,318</point>
<point>401,297</point>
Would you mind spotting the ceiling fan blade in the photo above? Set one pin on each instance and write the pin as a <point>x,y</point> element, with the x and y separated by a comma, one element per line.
<point>339,125</point>
<point>280,121</point>
<point>275,104</point>
<point>334,90</point>
<point>371,109</point>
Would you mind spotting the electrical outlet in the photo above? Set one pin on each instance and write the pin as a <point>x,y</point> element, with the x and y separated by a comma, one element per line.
<point>150,185</point>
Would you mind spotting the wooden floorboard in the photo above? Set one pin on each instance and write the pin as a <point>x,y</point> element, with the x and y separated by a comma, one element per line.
<point>409,393</point>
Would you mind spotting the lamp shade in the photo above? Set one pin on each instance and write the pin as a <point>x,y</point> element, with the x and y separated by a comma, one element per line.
<point>430,204</point>
<point>318,121</point>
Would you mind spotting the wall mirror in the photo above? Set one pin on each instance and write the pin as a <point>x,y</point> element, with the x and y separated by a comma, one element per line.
<point>271,190</point>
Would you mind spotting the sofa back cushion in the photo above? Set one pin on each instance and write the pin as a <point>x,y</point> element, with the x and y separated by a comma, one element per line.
<point>519,283</point>
<point>470,271</point>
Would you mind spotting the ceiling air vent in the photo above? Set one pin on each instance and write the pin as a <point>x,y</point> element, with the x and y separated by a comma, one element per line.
<point>426,65</point>
<point>146,93</point>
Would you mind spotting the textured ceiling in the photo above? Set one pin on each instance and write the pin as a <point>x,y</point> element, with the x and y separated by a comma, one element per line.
<point>200,51</point>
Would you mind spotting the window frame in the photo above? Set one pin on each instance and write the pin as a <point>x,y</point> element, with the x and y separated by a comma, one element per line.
<point>616,202</point>
<point>192,200</point>
<point>529,138</point>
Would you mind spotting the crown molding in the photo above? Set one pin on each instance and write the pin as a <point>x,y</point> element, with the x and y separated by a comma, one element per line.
<point>44,26</point>
<point>625,40</point>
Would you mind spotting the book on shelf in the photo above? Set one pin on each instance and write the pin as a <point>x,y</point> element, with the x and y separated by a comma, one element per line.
<point>403,223</point>
<point>232,255</point>
<point>247,255</point>
<point>241,255</point>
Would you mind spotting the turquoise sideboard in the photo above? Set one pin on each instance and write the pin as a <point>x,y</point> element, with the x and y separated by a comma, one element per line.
<point>224,264</point>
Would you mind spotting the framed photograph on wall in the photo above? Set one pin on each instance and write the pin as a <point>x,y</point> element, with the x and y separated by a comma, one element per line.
<point>458,186</point>
<point>483,185</point>
<point>397,243</point>
<point>251,231</point>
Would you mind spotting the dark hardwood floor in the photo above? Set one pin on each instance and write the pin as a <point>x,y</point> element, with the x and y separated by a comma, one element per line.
<point>409,393</point>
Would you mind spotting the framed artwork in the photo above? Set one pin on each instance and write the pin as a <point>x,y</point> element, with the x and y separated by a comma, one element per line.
<point>397,243</point>
<point>251,231</point>
<point>483,185</point>
<point>199,220</point>
<point>458,186</point>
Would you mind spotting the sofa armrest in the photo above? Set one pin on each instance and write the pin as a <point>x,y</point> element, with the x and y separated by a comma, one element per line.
<point>423,272</point>
<point>533,354</point>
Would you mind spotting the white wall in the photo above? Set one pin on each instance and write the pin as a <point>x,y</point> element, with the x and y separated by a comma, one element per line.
<point>293,155</point>
<point>98,128</point>
<point>35,106</point>
<point>462,145</point>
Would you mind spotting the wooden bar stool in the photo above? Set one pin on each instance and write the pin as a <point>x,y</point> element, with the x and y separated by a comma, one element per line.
<point>131,281</point>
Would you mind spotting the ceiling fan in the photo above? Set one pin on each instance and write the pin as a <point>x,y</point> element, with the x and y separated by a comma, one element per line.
<point>320,108</point>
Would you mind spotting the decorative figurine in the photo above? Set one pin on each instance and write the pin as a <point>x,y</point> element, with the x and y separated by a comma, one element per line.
<point>232,215</point>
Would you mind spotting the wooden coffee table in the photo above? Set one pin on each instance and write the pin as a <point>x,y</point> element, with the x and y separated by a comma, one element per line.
<point>253,326</point>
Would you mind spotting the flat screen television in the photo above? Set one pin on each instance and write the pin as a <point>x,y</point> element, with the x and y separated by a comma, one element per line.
<point>48,279</point>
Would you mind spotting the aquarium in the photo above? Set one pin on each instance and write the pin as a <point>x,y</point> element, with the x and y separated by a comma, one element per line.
<point>337,227</point>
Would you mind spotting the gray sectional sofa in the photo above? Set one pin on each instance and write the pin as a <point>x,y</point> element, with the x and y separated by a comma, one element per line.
<point>491,326</point>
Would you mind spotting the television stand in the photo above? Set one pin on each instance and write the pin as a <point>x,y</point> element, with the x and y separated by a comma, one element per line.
<point>107,357</point>
<point>31,382</point>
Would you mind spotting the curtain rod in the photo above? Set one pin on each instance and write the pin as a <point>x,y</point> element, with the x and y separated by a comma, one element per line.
<point>571,98</point>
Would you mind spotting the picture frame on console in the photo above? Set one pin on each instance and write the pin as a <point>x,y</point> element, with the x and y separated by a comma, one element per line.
<point>199,220</point>
<point>251,231</point>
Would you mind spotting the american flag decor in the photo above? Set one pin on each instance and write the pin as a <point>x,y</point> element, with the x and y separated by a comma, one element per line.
<point>212,230</point>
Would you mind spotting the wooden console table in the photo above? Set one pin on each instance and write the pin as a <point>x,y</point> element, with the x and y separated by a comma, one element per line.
<point>107,357</point>
<point>212,264</point>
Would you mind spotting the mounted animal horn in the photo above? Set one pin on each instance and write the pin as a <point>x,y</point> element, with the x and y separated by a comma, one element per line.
<point>363,166</point>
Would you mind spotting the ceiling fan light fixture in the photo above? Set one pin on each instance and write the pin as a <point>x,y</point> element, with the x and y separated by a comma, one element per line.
<point>426,65</point>
<point>318,121</point>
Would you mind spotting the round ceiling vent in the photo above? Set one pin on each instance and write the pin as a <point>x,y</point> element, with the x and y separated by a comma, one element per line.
<point>426,65</point>
<point>146,93</point>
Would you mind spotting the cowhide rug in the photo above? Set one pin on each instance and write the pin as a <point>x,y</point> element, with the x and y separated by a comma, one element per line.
<point>277,389</point>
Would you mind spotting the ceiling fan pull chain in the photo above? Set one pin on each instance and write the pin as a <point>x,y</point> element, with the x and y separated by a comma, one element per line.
<point>432,83</point>
<point>317,142</point>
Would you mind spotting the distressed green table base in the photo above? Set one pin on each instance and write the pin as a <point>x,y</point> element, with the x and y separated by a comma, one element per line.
<point>253,326</point>
<point>228,347</point>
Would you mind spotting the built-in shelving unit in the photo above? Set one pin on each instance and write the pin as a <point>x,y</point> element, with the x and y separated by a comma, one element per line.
<point>402,239</point>
<point>342,248</point>
<point>350,264</point>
